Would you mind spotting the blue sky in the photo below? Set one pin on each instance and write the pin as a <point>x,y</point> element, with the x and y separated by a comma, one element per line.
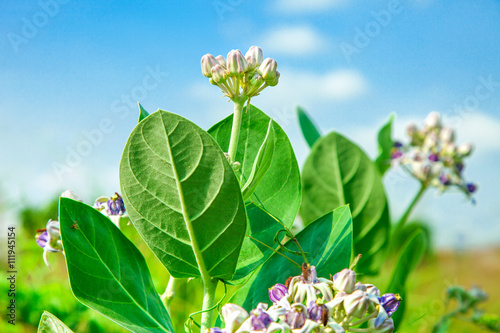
<point>73,70</point>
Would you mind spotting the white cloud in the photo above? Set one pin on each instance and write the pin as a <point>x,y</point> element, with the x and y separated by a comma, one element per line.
<point>482,130</point>
<point>301,6</point>
<point>298,41</point>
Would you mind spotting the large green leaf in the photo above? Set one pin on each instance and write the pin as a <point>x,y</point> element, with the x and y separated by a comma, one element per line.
<point>51,324</point>
<point>309,130</point>
<point>278,193</point>
<point>408,260</point>
<point>107,272</point>
<point>385,145</point>
<point>328,242</point>
<point>337,172</point>
<point>183,197</point>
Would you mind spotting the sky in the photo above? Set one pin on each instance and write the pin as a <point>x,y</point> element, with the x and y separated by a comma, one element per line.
<point>71,74</point>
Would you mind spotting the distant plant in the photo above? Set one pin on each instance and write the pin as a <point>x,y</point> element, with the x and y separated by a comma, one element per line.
<point>467,301</point>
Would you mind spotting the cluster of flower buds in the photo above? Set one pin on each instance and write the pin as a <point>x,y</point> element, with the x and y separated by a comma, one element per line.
<point>306,303</point>
<point>432,156</point>
<point>252,73</point>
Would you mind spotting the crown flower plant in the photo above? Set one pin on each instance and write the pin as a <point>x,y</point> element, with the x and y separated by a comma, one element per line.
<point>219,207</point>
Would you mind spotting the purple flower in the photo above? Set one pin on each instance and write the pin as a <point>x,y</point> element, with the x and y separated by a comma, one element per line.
<point>396,153</point>
<point>460,167</point>
<point>260,320</point>
<point>42,239</point>
<point>471,187</point>
<point>390,302</point>
<point>398,144</point>
<point>116,205</point>
<point>215,330</point>
<point>277,292</point>
<point>433,157</point>
<point>296,318</point>
<point>318,312</point>
<point>445,179</point>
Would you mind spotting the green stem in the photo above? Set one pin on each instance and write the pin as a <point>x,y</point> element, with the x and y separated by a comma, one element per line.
<point>406,215</point>
<point>235,131</point>
<point>300,248</point>
<point>209,288</point>
<point>169,293</point>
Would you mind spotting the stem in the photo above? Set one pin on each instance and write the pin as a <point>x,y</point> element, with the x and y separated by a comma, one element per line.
<point>209,288</point>
<point>300,248</point>
<point>406,215</point>
<point>169,293</point>
<point>235,132</point>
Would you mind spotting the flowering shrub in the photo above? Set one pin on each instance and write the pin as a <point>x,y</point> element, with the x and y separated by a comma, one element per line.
<point>219,206</point>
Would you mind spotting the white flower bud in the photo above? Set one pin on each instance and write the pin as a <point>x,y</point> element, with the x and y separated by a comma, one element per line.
<point>219,74</point>
<point>233,315</point>
<point>465,149</point>
<point>372,290</point>
<point>236,63</point>
<point>254,56</point>
<point>360,286</point>
<point>207,62</point>
<point>71,195</point>
<point>345,281</point>
<point>357,303</point>
<point>221,60</point>
<point>433,120</point>
<point>268,69</point>
<point>447,134</point>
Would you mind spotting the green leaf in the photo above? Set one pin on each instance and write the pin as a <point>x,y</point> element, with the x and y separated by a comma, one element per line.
<point>337,172</point>
<point>51,324</point>
<point>408,260</point>
<point>262,228</point>
<point>309,130</point>
<point>183,197</point>
<point>278,193</point>
<point>261,164</point>
<point>328,241</point>
<point>107,272</point>
<point>385,145</point>
<point>142,113</point>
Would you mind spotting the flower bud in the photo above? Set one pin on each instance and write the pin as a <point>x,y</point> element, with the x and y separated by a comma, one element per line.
<point>101,203</point>
<point>42,239</point>
<point>236,63</point>
<point>372,290</point>
<point>345,281</point>
<point>390,302</point>
<point>277,292</point>
<point>465,149</point>
<point>215,330</point>
<point>256,80</point>
<point>471,187</point>
<point>219,74</point>
<point>357,303</point>
<point>386,327</point>
<point>433,120</point>
<point>275,81</point>
<point>433,157</point>
<point>115,205</point>
<point>445,179</point>
<point>360,286</point>
<point>254,56</point>
<point>207,62</point>
<point>71,195</point>
<point>308,327</point>
<point>268,69</point>
<point>318,313</point>
<point>233,315</point>
<point>411,130</point>
<point>221,60</point>
<point>447,134</point>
